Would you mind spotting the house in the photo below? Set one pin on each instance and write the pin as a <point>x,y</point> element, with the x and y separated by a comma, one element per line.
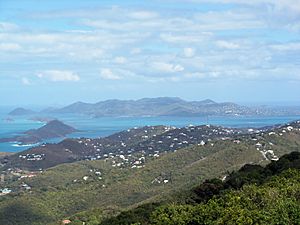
<point>202,143</point>
<point>5,191</point>
<point>258,145</point>
<point>26,187</point>
<point>66,222</point>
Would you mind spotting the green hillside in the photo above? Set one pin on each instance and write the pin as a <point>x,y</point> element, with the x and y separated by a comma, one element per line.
<point>61,191</point>
<point>275,202</point>
<point>100,186</point>
<point>252,195</point>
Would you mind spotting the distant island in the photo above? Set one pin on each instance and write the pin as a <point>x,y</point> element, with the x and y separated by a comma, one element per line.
<point>52,129</point>
<point>21,112</point>
<point>162,106</point>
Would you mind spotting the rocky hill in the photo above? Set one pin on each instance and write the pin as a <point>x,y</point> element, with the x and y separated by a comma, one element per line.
<point>52,129</point>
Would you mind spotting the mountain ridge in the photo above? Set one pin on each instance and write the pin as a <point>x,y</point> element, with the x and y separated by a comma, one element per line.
<point>161,106</point>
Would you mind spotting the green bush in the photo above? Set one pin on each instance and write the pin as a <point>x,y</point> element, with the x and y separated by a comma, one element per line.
<point>275,202</point>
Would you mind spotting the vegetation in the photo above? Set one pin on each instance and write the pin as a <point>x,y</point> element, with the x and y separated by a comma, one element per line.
<point>167,185</point>
<point>270,199</point>
<point>62,192</point>
<point>275,202</point>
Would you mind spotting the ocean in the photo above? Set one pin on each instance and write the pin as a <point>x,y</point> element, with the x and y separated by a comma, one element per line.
<point>100,127</point>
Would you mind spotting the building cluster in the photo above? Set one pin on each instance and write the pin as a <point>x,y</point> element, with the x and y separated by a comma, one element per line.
<point>122,147</point>
<point>131,148</point>
<point>266,147</point>
<point>33,157</point>
<point>5,191</point>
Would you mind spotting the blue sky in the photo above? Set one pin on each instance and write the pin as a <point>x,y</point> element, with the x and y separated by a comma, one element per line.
<point>60,51</point>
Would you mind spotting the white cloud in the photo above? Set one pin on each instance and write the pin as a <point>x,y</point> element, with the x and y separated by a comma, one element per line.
<point>174,79</point>
<point>180,38</point>
<point>227,45</point>
<point>10,47</point>
<point>292,5</point>
<point>59,75</point>
<point>167,67</point>
<point>234,19</point>
<point>156,80</point>
<point>120,60</point>
<point>178,68</point>
<point>135,51</point>
<point>295,46</point>
<point>92,44</point>
<point>8,27</point>
<point>123,26</point>
<point>107,74</point>
<point>143,15</point>
<point>159,44</point>
<point>294,27</point>
<point>189,52</point>
<point>25,81</point>
<point>197,75</point>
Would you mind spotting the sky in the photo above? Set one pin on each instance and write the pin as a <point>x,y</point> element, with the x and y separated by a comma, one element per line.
<point>56,52</point>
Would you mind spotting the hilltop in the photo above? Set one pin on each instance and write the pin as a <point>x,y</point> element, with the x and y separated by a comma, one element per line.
<point>52,129</point>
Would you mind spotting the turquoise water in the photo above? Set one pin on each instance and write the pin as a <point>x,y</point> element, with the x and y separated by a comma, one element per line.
<point>99,127</point>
